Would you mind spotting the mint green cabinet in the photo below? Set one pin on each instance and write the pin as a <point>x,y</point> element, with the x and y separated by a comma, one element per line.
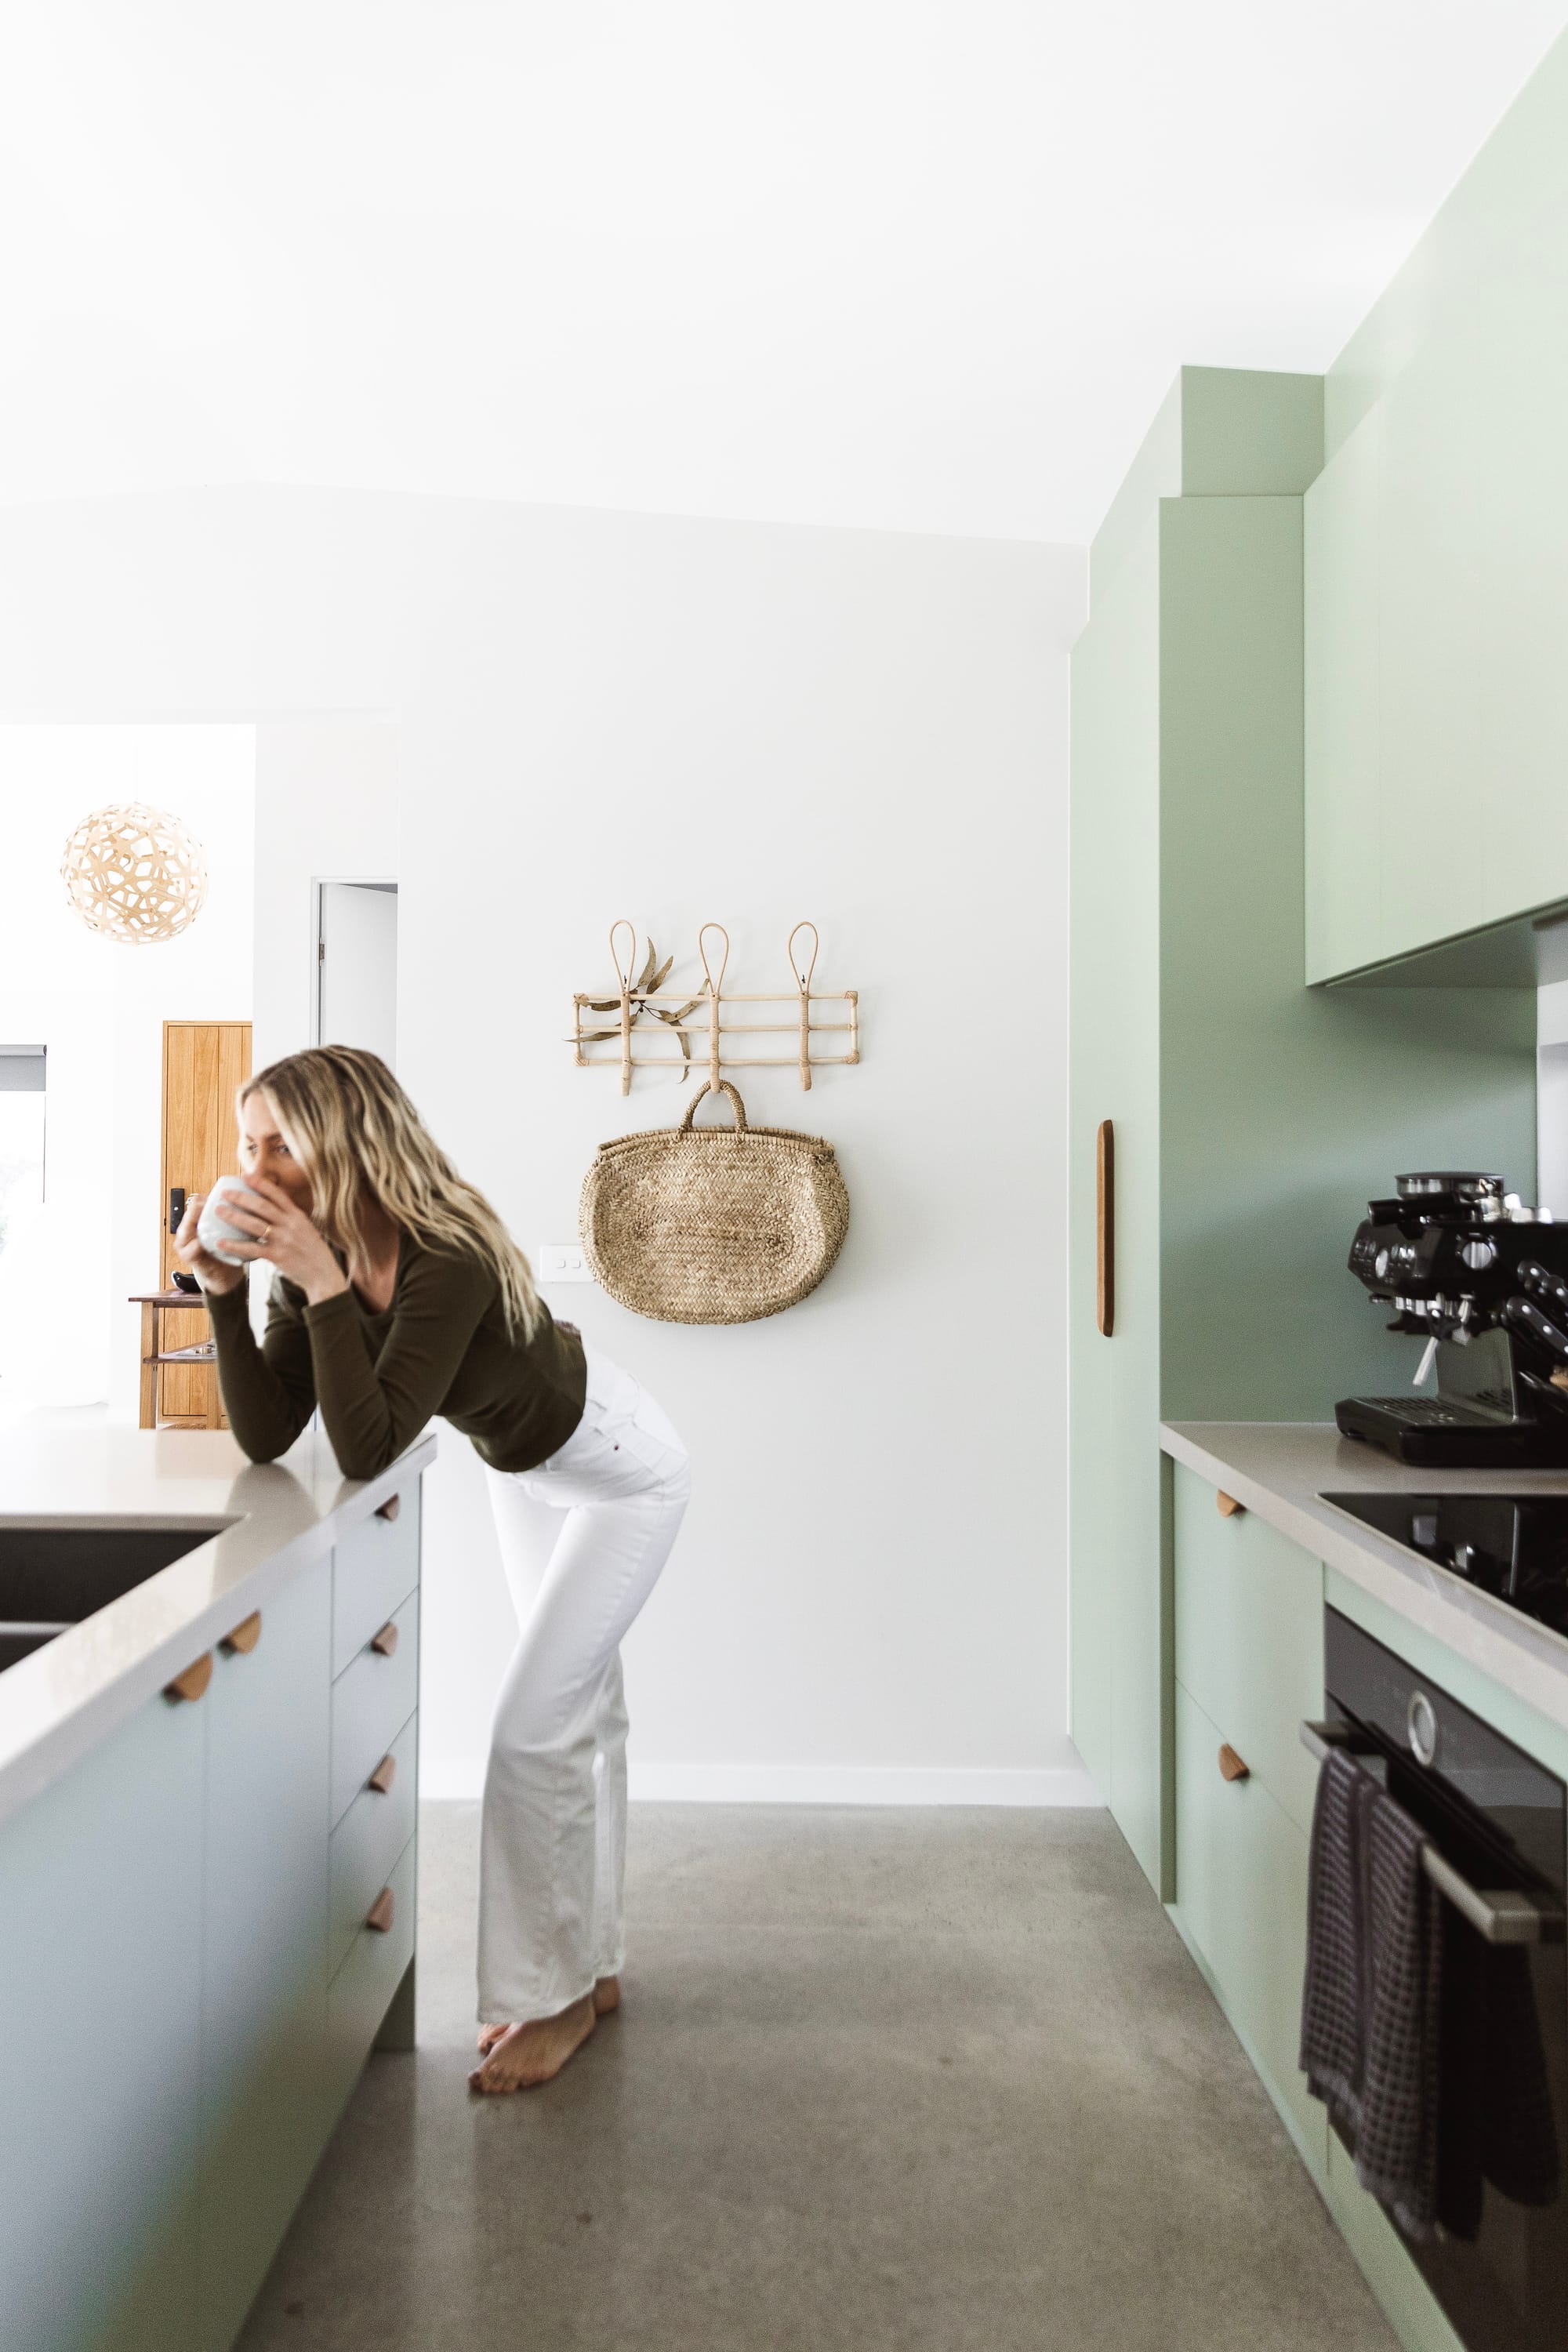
<point>101,1946</point>
<point>1241,1880</point>
<point>1253,1116</point>
<point>1248,1644</point>
<point>264,1954</point>
<point>1436,575</point>
<point>1341,585</point>
<point>1249,1637</point>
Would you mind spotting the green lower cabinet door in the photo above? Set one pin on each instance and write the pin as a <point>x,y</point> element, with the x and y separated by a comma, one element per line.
<point>1249,1637</point>
<point>266,2105</point>
<point>101,1893</point>
<point>1241,1899</point>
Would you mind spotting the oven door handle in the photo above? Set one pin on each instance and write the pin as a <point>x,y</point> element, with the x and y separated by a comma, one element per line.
<point>1501,1914</point>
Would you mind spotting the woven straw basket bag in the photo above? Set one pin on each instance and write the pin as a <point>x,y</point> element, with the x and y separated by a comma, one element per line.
<point>712,1224</point>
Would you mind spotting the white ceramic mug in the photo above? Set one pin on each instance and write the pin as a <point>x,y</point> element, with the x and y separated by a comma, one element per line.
<point>211,1230</point>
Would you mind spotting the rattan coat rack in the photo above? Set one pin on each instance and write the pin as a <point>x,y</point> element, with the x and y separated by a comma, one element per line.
<point>698,1025</point>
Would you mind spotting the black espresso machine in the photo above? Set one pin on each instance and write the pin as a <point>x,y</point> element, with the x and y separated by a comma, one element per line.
<point>1483,1280</point>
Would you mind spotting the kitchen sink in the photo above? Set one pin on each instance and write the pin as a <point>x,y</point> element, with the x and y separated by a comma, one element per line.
<point>51,1578</point>
<point>21,1641</point>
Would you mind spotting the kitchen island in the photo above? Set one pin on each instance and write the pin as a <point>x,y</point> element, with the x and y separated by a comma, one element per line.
<point>208,1749</point>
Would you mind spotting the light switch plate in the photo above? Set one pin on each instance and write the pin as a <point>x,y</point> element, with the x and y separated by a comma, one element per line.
<point>562,1262</point>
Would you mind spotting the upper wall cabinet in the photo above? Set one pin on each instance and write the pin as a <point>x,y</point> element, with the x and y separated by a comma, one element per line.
<point>1436,695</point>
<point>1436,575</point>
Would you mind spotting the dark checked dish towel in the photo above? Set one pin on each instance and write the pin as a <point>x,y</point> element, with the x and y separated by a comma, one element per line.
<point>1371,2003</point>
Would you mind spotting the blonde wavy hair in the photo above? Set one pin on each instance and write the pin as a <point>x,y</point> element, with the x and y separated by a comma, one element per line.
<point>353,1130</point>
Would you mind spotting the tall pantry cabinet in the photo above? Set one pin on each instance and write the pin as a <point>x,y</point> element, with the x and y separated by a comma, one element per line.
<point>1252,1117</point>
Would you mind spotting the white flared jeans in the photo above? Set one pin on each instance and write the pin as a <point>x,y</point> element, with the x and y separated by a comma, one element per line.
<point>554,1834</point>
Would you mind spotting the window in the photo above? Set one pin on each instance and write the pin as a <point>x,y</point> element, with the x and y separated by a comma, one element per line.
<point>23,1098</point>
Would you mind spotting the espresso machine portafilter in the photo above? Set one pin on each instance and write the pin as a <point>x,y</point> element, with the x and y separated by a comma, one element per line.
<point>1483,1280</point>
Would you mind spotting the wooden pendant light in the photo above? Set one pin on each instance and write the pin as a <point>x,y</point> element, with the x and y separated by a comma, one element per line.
<point>134,874</point>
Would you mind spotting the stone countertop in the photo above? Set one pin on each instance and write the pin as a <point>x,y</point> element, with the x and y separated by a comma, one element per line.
<point>1280,1469</point>
<point>263,1523</point>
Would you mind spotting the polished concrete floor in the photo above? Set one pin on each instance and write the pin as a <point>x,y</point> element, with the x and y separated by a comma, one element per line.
<point>884,2082</point>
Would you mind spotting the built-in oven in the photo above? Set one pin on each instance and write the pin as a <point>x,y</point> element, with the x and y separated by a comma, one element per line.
<point>1495,1823</point>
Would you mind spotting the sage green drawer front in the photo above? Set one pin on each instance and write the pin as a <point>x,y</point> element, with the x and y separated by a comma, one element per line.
<point>361,1993</point>
<point>367,1842</point>
<point>375,1570</point>
<point>1249,1637</point>
<point>1241,1894</point>
<point>373,1698</point>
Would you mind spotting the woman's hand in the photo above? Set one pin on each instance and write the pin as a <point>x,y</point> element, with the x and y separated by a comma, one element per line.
<point>209,1271</point>
<point>284,1235</point>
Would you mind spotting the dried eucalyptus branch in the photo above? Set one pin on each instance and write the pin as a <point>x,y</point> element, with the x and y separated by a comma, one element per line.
<point>653,977</point>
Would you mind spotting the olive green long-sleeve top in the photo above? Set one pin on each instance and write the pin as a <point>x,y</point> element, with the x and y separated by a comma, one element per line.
<point>441,1347</point>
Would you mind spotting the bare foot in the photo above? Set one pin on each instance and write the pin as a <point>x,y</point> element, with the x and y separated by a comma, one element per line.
<point>607,1997</point>
<point>526,2056</point>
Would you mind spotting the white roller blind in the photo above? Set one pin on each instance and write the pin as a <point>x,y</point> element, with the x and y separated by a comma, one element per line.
<point>22,1069</point>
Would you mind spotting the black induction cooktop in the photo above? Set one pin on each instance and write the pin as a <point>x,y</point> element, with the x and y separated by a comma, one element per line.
<point>1514,1547</point>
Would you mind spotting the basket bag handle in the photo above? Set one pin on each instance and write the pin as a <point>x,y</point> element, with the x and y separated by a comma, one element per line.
<point>712,1087</point>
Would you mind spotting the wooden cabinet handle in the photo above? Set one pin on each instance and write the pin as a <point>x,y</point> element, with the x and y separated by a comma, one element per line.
<point>385,1641</point>
<point>246,1635</point>
<point>194,1681</point>
<point>1105,1227</point>
<point>380,1915</point>
<point>384,1774</point>
<point>1226,1505</point>
<point>390,1508</point>
<point>1231,1767</point>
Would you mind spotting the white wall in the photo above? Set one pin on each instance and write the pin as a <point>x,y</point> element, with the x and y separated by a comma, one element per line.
<point>327,791</point>
<point>67,1335</point>
<point>601,715</point>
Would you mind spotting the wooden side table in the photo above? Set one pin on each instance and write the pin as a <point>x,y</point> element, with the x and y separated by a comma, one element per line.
<point>154,1306</point>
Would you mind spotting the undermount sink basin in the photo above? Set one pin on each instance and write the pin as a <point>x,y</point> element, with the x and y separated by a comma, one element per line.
<point>21,1641</point>
<point>51,1578</point>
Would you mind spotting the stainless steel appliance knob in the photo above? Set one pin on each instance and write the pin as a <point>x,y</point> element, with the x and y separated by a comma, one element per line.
<point>1479,1255</point>
<point>1421,1724</point>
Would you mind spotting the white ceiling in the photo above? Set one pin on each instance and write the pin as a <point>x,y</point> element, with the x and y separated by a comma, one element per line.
<point>921,265</point>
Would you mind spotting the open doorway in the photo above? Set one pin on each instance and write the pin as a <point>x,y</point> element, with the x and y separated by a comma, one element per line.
<point>83,1016</point>
<point>356,966</point>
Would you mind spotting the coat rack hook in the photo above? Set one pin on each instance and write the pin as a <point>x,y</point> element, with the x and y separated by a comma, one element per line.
<point>624,967</point>
<point>802,981</point>
<point>714,986</point>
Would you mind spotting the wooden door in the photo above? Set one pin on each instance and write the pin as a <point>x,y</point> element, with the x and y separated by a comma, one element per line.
<point>205,1062</point>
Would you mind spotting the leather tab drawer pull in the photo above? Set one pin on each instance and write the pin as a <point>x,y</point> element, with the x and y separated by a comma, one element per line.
<point>1226,1505</point>
<point>384,1642</point>
<point>1231,1767</point>
<point>384,1774</point>
<point>381,1912</point>
<point>194,1681</point>
<point>245,1635</point>
<point>390,1508</point>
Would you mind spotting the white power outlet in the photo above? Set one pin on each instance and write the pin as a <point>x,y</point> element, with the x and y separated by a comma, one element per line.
<point>562,1262</point>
